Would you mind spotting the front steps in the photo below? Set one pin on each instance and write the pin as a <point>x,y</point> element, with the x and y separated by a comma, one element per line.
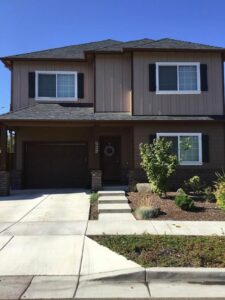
<point>112,199</point>
<point>114,205</point>
<point>111,193</point>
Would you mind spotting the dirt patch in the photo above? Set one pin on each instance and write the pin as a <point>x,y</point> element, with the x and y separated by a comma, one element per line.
<point>169,211</point>
<point>93,211</point>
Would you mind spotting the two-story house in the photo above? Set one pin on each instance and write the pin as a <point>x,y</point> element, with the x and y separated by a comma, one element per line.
<point>80,112</point>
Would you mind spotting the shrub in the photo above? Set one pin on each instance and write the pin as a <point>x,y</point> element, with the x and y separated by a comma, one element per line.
<point>209,194</point>
<point>146,212</point>
<point>184,201</point>
<point>158,163</point>
<point>180,191</point>
<point>194,184</point>
<point>220,177</point>
<point>94,197</point>
<point>220,190</point>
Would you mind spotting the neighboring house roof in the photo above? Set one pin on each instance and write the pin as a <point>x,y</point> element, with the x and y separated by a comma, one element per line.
<point>63,112</point>
<point>79,51</point>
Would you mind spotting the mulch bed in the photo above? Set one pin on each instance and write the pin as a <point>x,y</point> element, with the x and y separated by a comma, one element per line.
<point>204,210</point>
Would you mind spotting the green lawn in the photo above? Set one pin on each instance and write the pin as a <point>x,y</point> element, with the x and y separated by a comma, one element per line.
<point>168,251</point>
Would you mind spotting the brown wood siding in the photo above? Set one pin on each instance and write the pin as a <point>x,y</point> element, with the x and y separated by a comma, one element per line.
<point>20,97</point>
<point>113,83</point>
<point>215,132</point>
<point>148,103</point>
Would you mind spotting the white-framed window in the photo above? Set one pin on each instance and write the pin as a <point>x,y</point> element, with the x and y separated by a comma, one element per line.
<point>187,146</point>
<point>178,78</point>
<point>55,85</point>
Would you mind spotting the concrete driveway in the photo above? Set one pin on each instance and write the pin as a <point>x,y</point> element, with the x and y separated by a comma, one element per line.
<point>42,232</point>
<point>43,248</point>
<point>41,212</point>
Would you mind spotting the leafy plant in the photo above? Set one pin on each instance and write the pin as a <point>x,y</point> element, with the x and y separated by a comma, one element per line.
<point>220,190</point>
<point>220,177</point>
<point>146,212</point>
<point>194,184</point>
<point>184,201</point>
<point>209,194</point>
<point>158,163</point>
<point>94,197</point>
<point>180,191</point>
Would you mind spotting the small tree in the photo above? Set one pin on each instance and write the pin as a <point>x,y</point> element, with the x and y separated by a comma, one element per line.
<point>158,163</point>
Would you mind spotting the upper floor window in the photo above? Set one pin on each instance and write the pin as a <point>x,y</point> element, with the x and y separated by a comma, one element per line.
<point>177,78</point>
<point>52,85</point>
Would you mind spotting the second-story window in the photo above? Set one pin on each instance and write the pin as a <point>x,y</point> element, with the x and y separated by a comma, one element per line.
<point>177,78</point>
<point>51,85</point>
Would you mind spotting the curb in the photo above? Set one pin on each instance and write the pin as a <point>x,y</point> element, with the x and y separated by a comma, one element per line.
<point>146,275</point>
<point>186,274</point>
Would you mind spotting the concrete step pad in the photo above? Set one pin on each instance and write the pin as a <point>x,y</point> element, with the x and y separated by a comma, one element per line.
<point>111,193</point>
<point>114,208</point>
<point>112,199</point>
<point>116,217</point>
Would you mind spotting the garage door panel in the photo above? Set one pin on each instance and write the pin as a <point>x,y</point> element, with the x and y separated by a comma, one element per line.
<point>56,165</point>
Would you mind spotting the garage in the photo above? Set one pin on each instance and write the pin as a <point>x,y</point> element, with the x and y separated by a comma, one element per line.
<point>56,165</point>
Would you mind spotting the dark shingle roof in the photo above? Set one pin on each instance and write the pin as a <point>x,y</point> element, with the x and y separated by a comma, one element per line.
<point>70,52</point>
<point>60,112</point>
<point>79,51</point>
<point>167,43</point>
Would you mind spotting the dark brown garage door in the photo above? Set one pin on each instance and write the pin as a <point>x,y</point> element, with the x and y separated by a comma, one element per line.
<point>56,165</point>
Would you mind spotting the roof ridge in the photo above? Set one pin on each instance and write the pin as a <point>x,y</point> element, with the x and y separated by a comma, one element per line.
<point>187,42</point>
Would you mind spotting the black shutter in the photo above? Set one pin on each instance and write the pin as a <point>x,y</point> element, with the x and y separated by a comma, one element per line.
<point>152,78</point>
<point>152,137</point>
<point>80,85</point>
<point>204,77</point>
<point>205,148</point>
<point>31,84</point>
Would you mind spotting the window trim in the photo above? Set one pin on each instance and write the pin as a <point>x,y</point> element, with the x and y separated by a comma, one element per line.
<point>177,64</point>
<point>179,134</point>
<point>57,98</point>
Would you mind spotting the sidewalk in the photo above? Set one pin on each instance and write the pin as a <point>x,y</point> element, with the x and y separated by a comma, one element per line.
<point>201,228</point>
<point>136,283</point>
<point>45,253</point>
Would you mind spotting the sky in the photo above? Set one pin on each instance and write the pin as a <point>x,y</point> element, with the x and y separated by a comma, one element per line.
<point>31,25</point>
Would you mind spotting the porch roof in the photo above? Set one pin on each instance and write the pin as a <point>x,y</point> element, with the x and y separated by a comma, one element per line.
<point>63,112</point>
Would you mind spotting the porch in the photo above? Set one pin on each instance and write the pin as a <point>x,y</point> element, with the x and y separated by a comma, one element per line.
<point>68,155</point>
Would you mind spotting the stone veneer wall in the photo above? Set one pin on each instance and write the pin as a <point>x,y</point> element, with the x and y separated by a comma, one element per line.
<point>96,180</point>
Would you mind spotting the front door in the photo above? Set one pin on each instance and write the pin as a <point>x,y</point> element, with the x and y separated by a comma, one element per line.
<point>110,158</point>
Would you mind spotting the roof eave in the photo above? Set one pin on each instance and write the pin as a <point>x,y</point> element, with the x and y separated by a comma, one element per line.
<point>174,50</point>
<point>7,61</point>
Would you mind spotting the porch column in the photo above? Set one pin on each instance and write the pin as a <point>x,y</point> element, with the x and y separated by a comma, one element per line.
<point>4,173</point>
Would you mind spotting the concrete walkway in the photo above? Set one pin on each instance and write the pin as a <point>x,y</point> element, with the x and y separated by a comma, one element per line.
<point>201,228</point>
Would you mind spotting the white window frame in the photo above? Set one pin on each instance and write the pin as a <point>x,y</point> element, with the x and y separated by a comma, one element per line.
<point>177,64</point>
<point>56,98</point>
<point>179,134</point>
